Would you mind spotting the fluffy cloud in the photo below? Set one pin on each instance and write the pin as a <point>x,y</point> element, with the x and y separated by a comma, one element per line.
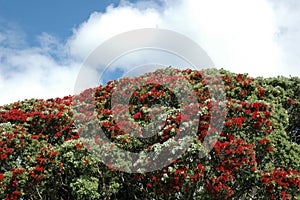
<point>287,17</point>
<point>239,36</point>
<point>256,37</point>
<point>102,26</point>
<point>38,72</point>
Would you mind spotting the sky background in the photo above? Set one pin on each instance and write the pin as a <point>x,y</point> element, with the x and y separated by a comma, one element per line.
<point>43,44</point>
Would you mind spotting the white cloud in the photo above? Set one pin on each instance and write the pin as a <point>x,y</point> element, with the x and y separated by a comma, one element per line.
<point>287,15</point>
<point>237,35</point>
<point>102,26</point>
<point>34,73</point>
<point>256,37</point>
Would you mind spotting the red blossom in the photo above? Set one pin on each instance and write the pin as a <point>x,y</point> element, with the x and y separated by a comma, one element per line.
<point>137,115</point>
<point>1,176</point>
<point>14,183</point>
<point>58,134</point>
<point>269,149</point>
<point>263,141</point>
<point>37,168</point>
<point>3,156</point>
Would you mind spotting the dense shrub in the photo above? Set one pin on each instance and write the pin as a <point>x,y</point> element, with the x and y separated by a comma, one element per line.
<point>43,156</point>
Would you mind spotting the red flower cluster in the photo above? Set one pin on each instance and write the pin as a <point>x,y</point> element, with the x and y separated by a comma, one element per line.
<point>278,183</point>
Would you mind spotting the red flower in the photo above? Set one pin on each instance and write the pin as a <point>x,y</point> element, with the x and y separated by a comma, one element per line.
<point>149,185</point>
<point>247,111</point>
<point>58,134</point>
<point>16,192</point>
<point>3,156</point>
<point>37,168</point>
<point>239,121</point>
<point>178,171</point>
<point>107,112</point>
<point>32,174</point>
<point>41,176</point>
<point>1,176</point>
<point>200,166</point>
<point>9,150</point>
<point>239,148</point>
<point>255,114</point>
<point>263,141</point>
<point>78,146</point>
<point>137,115</point>
<point>52,153</point>
<point>14,183</point>
<point>269,149</point>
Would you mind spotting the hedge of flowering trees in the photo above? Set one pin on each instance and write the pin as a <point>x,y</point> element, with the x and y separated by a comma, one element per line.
<point>256,156</point>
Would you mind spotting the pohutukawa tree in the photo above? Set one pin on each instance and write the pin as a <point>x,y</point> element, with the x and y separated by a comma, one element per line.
<point>48,148</point>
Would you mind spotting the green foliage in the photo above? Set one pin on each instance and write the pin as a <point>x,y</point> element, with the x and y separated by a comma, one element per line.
<point>289,98</point>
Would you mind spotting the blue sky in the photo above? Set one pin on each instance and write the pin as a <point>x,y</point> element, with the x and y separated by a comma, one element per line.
<point>55,17</point>
<point>43,44</point>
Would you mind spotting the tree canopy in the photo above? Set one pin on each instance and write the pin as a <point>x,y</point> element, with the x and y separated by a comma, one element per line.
<point>46,145</point>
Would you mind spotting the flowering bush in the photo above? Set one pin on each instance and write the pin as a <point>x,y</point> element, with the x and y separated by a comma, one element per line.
<point>43,156</point>
<point>288,93</point>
